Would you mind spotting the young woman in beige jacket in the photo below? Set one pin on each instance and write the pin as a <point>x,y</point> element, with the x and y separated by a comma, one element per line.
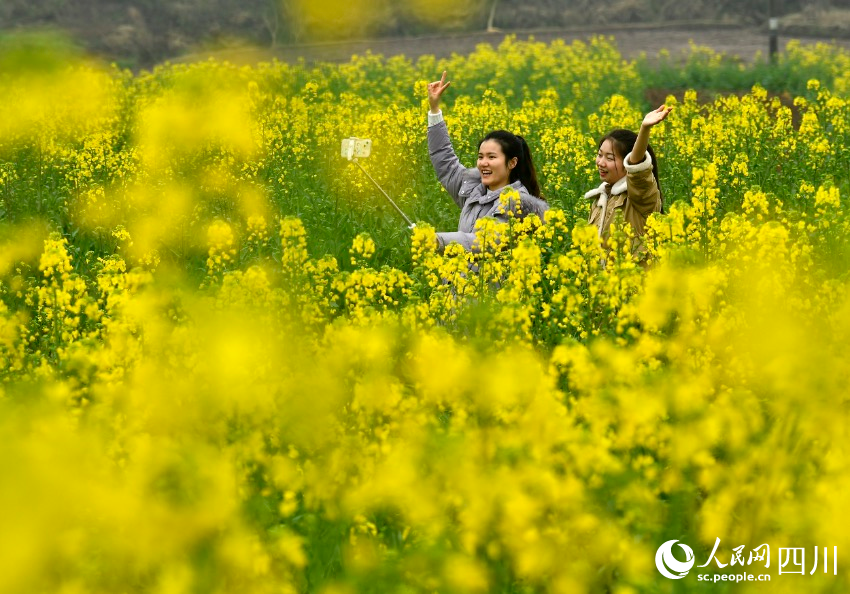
<point>629,172</point>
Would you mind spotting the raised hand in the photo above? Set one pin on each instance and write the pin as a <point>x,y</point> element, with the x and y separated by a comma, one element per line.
<point>656,115</point>
<point>435,91</point>
<point>652,118</point>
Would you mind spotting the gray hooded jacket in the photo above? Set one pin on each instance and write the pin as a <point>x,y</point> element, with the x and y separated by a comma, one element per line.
<point>465,187</point>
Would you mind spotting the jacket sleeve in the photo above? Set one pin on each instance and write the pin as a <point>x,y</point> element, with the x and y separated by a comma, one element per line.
<point>450,171</point>
<point>467,240</point>
<point>644,194</point>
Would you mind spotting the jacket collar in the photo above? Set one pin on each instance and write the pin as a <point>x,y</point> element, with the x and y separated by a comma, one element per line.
<point>618,188</point>
<point>490,195</point>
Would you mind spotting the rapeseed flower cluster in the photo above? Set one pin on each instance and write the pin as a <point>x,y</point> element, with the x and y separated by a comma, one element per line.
<point>212,380</point>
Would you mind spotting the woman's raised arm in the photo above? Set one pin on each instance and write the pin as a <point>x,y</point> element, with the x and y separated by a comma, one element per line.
<point>450,171</point>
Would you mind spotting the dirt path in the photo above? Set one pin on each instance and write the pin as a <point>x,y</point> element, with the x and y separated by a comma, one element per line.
<point>744,42</point>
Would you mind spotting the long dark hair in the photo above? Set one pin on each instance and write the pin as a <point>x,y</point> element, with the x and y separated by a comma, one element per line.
<point>624,143</point>
<point>515,146</point>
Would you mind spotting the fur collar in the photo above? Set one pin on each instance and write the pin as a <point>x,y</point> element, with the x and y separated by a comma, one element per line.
<point>616,189</point>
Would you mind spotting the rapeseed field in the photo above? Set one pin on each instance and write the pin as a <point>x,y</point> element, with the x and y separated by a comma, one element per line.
<point>227,366</point>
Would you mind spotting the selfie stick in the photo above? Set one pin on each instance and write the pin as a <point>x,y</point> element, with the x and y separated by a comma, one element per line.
<point>410,223</point>
<point>349,152</point>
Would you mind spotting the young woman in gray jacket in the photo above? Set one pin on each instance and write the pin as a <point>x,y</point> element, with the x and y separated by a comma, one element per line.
<point>504,160</point>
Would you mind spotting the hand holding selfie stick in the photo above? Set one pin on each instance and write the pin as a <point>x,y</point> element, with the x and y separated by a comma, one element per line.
<point>354,148</point>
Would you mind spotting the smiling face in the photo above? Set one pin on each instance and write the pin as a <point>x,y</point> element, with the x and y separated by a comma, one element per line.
<point>609,163</point>
<point>494,167</point>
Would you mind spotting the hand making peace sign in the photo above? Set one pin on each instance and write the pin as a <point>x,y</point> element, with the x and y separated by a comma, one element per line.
<point>435,91</point>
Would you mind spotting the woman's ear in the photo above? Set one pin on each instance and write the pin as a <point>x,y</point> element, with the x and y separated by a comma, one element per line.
<point>513,163</point>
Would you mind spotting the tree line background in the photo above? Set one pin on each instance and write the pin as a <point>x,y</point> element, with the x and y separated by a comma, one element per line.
<point>144,32</point>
